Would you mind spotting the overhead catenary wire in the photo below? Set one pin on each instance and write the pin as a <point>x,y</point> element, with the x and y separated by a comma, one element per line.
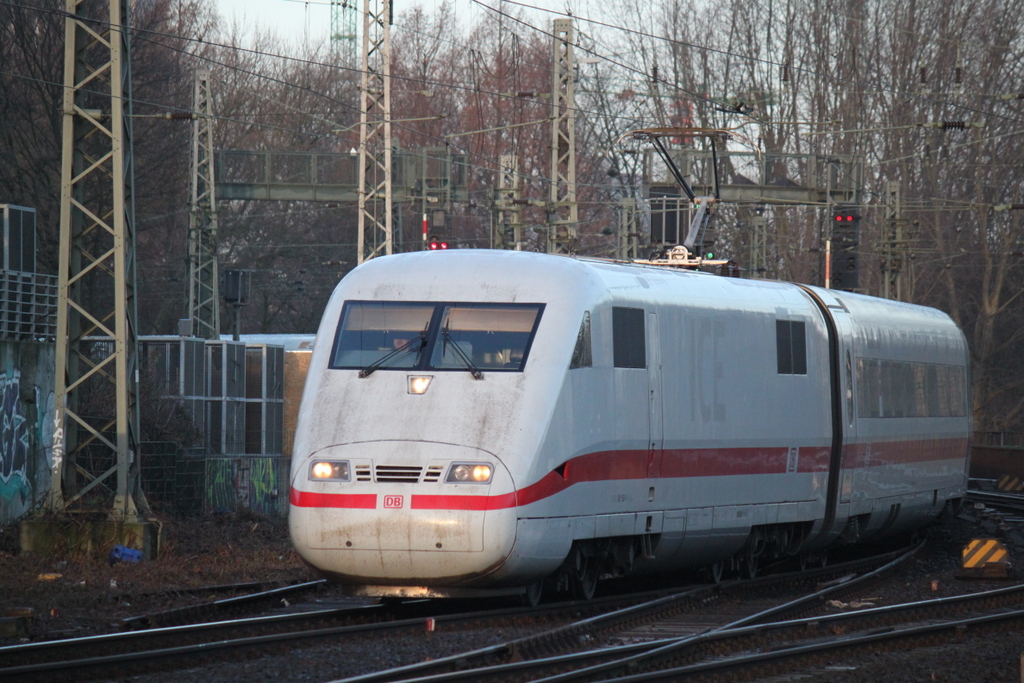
<point>491,163</point>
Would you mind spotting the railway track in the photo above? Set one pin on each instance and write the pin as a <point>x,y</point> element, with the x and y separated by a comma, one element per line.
<point>150,649</point>
<point>627,634</point>
<point>1012,502</point>
<point>219,608</point>
<point>747,648</point>
<point>571,647</point>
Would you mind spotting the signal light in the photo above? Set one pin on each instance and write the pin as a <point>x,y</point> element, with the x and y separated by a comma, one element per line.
<point>845,214</point>
<point>845,248</point>
<point>437,243</point>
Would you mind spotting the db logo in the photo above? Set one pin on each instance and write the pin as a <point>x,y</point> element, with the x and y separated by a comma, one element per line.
<point>392,501</point>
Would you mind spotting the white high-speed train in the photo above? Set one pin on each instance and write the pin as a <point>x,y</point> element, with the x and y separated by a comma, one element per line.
<point>483,421</point>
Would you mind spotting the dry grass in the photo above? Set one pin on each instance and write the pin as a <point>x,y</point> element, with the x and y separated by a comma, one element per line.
<point>90,595</point>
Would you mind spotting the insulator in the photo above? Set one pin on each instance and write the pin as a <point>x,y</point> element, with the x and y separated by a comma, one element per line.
<point>181,116</point>
<point>654,73</point>
<point>953,125</point>
<point>958,74</point>
<point>785,73</point>
<point>924,79</point>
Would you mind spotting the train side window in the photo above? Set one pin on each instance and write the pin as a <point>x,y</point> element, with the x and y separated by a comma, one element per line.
<point>629,346</point>
<point>583,354</point>
<point>791,347</point>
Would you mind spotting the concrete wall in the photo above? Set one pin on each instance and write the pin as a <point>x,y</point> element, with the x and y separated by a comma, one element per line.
<point>26,425</point>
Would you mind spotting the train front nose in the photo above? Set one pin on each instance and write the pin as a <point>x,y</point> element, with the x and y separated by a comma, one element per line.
<point>400,512</point>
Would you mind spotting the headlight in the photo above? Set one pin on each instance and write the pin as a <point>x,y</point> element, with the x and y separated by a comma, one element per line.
<point>469,473</point>
<point>419,384</point>
<point>332,470</point>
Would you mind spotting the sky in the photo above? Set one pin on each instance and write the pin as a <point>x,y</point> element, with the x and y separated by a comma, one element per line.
<point>298,21</point>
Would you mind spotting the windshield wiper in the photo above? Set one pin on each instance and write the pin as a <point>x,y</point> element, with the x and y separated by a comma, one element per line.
<point>369,369</point>
<point>473,369</point>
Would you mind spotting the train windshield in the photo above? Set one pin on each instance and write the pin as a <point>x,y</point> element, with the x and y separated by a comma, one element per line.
<point>374,332</point>
<point>376,335</point>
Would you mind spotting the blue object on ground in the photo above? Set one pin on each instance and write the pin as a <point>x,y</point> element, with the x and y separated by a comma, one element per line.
<point>119,553</point>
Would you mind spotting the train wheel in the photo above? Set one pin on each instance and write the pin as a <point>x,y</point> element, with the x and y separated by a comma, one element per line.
<point>585,583</point>
<point>714,572</point>
<point>750,566</point>
<point>533,593</point>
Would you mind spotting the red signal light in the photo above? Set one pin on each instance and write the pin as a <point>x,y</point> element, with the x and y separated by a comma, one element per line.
<point>434,245</point>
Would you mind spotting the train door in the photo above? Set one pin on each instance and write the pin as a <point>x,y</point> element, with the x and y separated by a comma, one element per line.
<point>655,402</point>
<point>851,488</point>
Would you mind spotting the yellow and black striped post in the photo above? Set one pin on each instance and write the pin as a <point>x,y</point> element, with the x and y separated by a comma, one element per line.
<point>1010,483</point>
<point>985,555</point>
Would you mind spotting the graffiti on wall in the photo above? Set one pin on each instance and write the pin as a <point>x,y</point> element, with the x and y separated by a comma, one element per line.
<point>244,483</point>
<point>15,444</point>
<point>26,426</point>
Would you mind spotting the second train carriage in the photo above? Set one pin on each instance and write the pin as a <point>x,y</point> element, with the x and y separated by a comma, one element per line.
<point>484,420</point>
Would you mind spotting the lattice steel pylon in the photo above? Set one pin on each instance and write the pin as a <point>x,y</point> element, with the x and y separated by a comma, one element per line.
<point>759,247</point>
<point>343,30</point>
<point>375,229</point>
<point>507,224</point>
<point>562,210</point>
<point>203,280</point>
<point>96,437</point>
<point>628,246</point>
<point>893,245</point>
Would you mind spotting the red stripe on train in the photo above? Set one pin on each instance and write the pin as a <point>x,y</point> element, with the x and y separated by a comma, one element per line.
<point>675,464</point>
<point>308,499</point>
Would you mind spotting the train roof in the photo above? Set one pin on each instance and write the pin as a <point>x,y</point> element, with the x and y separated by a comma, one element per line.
<point>490,274</point>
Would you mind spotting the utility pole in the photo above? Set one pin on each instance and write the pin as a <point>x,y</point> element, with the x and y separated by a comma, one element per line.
<point>375,197</point>
<point>629,230</point>
<point>894,245</point>
<point>203,280</point>
<point>507,224</point>
<point>96,422</point>
<point>562,210</point>
<point>759,247</point>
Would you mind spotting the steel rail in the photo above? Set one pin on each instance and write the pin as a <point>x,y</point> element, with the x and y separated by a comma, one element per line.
<point>133,641</point>
<point>178,615</point>
<point>536,652</point>
<point>766,637</point>
<point>48,658</point>
<point>782,660</point>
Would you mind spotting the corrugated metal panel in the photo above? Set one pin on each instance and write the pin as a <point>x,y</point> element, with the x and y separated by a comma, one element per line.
<point>193,365</point>
<point>234,427</point>
<point>264,399</point>
<point>215,372</point>
<point>19,239</point>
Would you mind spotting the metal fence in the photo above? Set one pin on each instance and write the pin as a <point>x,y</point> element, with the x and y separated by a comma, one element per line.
<point>1005,439</point>
<point>28,306</point>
